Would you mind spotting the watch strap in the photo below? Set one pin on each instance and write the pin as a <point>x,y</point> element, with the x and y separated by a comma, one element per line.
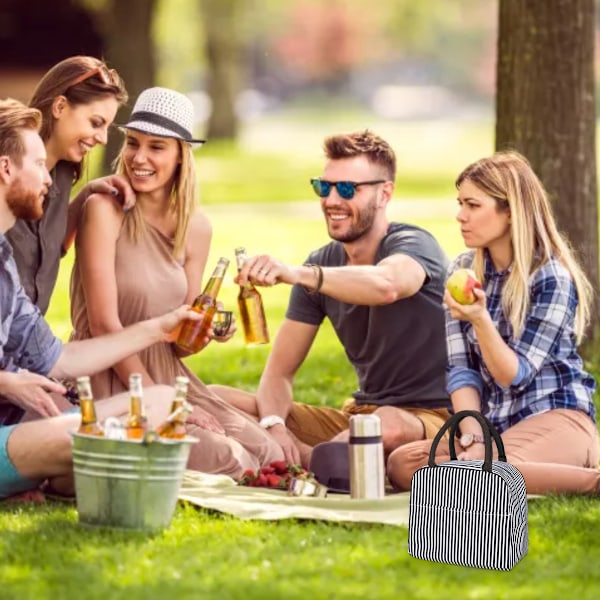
<point>271,420</point>
<point>466,440</point>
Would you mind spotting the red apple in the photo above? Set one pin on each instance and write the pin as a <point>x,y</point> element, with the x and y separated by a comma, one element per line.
<point>461,285</point>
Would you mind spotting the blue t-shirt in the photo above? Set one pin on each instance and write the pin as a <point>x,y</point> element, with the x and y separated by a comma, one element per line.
<point>26,341</point>
<point>398,350</point>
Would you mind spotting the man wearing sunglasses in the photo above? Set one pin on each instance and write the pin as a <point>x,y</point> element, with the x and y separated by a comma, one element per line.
<point>381,286</point>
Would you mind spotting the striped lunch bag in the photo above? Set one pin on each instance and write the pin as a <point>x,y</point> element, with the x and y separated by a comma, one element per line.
<point>469,512</point>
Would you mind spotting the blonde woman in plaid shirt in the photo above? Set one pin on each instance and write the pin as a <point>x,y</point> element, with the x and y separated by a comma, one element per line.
<point>512,354</point>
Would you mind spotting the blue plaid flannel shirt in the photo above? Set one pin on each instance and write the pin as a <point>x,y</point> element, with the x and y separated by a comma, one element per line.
<point>26,341</point>
<point>550,374</point>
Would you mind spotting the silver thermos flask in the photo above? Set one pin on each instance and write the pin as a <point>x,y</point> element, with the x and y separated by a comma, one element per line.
<point>367,473</point>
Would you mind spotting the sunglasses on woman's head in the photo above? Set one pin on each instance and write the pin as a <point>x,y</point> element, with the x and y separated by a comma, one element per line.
<point>345,189</point>
<point>106,76</point>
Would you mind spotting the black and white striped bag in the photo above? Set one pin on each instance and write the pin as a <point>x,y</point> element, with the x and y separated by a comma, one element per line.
<point>469,512</point>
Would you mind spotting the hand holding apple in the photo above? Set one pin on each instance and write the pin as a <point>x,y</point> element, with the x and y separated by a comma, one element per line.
<point>461,285</point>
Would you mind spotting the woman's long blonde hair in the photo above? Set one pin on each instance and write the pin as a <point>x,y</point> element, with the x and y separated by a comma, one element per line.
<point>509,179</point>
<point>183,199</point>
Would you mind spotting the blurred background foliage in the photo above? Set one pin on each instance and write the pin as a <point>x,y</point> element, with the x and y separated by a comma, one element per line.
<point>271,78</point>
<point>396,57</point>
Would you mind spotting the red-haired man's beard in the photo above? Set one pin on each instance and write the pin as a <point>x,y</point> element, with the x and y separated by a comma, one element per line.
<point>25,203</point>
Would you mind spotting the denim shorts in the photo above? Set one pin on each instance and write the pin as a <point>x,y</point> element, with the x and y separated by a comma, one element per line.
<point>11,482</point>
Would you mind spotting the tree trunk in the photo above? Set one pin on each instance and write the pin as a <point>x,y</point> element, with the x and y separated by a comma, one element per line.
<point>223,54</point>
<point>127,31</point>
<point>546,109</point>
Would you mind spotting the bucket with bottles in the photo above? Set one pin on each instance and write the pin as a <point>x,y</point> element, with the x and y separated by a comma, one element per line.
<point>126,475</point>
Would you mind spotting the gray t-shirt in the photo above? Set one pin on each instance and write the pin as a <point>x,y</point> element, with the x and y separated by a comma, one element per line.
<point>398,350</point>
<point>37,245</point>
<point>26,341</point>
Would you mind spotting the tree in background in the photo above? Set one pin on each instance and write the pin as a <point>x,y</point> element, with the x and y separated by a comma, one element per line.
<point>546,109</point>
<point>224,67</point>
<point>127,30</point>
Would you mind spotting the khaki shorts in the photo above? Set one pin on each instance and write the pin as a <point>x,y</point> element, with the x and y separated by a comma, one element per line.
<point>315,424</point>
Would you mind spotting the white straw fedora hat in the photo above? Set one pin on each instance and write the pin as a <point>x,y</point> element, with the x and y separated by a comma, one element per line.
<point>165,113</point>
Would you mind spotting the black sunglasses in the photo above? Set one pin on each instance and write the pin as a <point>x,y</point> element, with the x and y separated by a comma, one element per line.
<point>345,189</point>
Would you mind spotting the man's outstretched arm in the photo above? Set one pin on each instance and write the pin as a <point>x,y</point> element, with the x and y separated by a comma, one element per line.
<point>394,277</point>
<point>274,395</point>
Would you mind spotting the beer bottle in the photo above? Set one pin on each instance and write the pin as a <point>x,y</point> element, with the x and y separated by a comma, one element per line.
<point>192,332</point>
<point>89,422</point>
<point>251,308</point>
<point>137,422</point>
<point>174,425</point>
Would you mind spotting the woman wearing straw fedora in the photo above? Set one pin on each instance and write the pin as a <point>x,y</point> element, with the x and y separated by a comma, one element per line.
<point>78,99</point>
<point>131,265</point>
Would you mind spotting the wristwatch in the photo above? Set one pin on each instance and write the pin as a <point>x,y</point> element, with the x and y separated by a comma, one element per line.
<point>468,439</point>
<point>270,420</point>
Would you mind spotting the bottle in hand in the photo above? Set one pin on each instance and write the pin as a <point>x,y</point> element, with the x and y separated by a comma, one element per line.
<point>193,332</point>
<point>174,425</point>
<point>137,422</point>
<point>89,422</point>
<point>251,308</point>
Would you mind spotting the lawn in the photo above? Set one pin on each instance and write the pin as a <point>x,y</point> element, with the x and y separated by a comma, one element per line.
<point>259,197</point>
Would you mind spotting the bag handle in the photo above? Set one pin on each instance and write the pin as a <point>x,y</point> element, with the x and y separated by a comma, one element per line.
<point>488,429</point>
<point>492,430</point>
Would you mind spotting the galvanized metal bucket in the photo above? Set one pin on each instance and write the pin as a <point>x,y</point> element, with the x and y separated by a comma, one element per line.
<point>128,484</point>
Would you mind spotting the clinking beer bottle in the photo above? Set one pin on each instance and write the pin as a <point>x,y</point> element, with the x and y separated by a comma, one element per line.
<point>89,422</point>
<point>251,308</point>
<point>174,425</point>
<point>192,332</point>
<point>137,422</point>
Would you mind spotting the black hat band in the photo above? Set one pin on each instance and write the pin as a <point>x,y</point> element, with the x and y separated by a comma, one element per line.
<point>161,121</point>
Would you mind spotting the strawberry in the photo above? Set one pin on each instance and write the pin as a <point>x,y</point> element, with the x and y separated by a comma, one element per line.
<point>248,476</point>
<point>273,480</point>
<point>267,470</point>
<point>280,466</point>
<point>261,480</point>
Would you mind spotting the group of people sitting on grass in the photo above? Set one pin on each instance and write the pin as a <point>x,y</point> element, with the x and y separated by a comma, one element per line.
<point>141,247</point>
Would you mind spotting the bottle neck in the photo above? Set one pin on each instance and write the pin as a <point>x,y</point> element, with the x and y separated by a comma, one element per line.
<point>136,407</point>
<point>88,411</point>
<point>214,283</point>
<point>179,399</point>
<point>240,259</point>
<point>212,287</point>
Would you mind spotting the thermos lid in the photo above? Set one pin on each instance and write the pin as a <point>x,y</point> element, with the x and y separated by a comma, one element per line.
<point>365,425</point>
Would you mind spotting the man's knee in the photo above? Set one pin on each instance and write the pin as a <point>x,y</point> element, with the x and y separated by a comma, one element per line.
<point>159,393</point>
<point>42,449</point>
<point>398,427</point>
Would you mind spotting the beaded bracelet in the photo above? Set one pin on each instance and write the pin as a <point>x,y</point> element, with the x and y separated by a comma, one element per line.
<point>319,275</point>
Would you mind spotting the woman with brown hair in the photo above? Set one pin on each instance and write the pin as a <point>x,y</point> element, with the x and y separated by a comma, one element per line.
<point>512,353</point>
<point>78,98</point>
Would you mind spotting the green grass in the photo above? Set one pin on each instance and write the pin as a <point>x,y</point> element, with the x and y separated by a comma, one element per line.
<point>44,553</point>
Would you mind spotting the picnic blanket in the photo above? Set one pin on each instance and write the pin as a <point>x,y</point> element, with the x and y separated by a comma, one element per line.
<point>220,492</point>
